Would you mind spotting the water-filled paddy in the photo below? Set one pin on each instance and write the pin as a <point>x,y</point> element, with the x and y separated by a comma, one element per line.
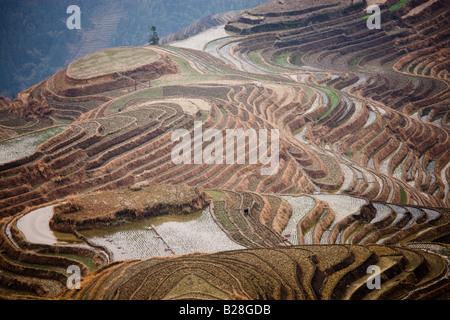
<point>199,41</point>
<point>164,236</point>
<point>301,207</point>
<point>25,145</point>
<point>35,227</point>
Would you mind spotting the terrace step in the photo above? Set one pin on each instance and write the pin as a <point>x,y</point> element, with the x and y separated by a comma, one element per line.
<point>297,272</point>
<point>389,265</point>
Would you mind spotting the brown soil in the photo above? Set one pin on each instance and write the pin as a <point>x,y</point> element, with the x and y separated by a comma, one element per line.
<point>106,208</point>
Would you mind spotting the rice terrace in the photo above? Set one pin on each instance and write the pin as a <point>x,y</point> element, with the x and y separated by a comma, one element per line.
<point>88,180</point>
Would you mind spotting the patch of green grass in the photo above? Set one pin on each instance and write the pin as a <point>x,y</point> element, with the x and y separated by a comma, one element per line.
<point>297,59</point>
<point>222,216</point>
<point>398,5</point>
<point>309,94</point>
<point>411,69</point>
<point>282,61</point>
<point>413,79</point>
<point>256,58</point>
<point>185,68</point>
<point>311,227</point>
<point>204,116</point>
<point>354,63</point>
<point>403,196</point>
<point>334,98</point>
<point>86,261</point>
<point>332,95</point>
<point>216,195</point>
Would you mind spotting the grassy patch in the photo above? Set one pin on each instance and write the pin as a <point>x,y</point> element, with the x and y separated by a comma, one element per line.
<point>256,58</point>
<point>216,195</point>
<point>204,116</point>
<point>334,98</point>
<point>354,63</point>
<point>332,95</point>
<point>86,261</point>
<point>185,68</point>
<point>311,226</point>
<point>309,94</point>
<point>297,59</point>
<point>222,217</point>
<point>411,69</point>
<point>403,196</point>
<point>398,5</point>
<point>413,79</point>
<point>281,60</point>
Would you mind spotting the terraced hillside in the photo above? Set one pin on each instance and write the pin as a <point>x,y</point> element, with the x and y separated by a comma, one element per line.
<point>361,121</point>
<point>323,219</point>
<point>296,273</point>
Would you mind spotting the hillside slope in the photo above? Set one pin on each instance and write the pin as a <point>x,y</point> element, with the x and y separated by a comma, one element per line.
<point>36,42</point>
<point>356,122</point>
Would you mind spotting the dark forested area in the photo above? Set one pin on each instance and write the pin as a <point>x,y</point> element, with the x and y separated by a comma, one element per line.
<point>170,16</point>
<point>35,41</point>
